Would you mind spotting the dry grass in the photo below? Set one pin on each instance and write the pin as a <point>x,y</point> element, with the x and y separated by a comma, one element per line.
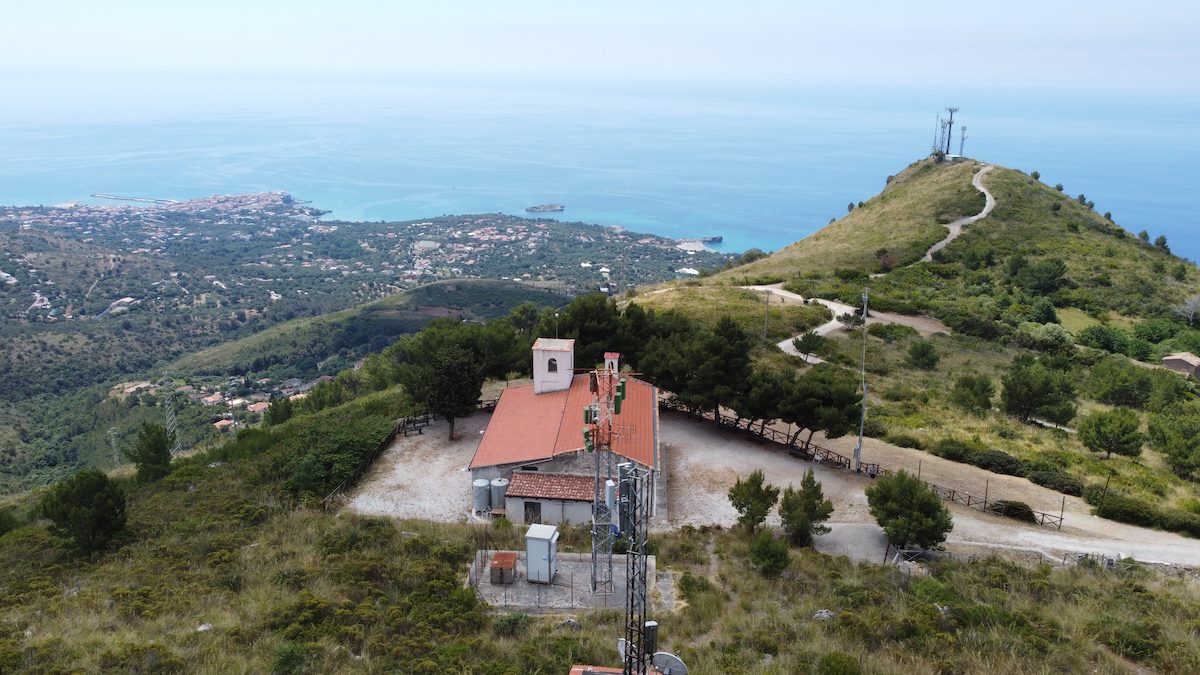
<point>706,305</point>
<point>906,218</point>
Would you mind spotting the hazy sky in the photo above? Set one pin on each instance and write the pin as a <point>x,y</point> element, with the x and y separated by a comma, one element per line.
<point>1096,44</point>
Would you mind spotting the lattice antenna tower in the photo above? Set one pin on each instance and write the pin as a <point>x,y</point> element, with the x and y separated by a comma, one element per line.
<point>939,129</point>
<point>641,636</point>
<point>608,392</point>
<point>962,139</point>
<point>950,127</point>
<point>169,413</point>
<point>112,441</point>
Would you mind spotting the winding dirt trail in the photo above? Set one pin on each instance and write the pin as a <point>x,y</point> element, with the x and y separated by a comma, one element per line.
<point>957,226</point>
<point>923,325</point>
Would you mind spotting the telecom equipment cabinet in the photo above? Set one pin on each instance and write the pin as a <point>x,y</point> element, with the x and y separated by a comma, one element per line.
<point>541,553</point>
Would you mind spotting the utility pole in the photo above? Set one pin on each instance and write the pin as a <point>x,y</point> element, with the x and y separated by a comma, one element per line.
<point>862,418</point>
<point>766,314</point>
<point>112,440</point>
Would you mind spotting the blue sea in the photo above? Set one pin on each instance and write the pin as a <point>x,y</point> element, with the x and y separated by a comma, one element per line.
<point>760,166</point>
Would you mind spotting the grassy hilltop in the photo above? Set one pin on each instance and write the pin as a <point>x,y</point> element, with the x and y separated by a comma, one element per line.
<point>906,219</point>
<point>1107,269</point>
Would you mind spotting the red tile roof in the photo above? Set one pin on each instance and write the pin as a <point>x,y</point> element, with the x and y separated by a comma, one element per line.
<point>528,427</point>
<point>545,485</point>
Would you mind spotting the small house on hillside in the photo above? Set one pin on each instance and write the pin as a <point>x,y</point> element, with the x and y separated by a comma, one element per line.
<point>1185,363</point>
<point>535,444</point>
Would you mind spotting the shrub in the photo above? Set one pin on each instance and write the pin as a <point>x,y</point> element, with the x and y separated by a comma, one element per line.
<point>923,355</point>
<point>1044,337</point>
<point>1126,509</point>
<point>998,462</point>
<point>753,499</point>
<point>1108,338</point>
<point>973,393</point>
<point>891,332</point>
<point>908,511</point>
<point>691,586</point>
<point>512,625</point>
<point>838,663</point>
<point>89,507</point>
<point>954,449</point>
<point>8,522</point>
<point>1057,480</point>
<point>1112,431</point>
<point>1092,493</point>
<point>904,440</point>
<point>291,657</point>
<point>1116,381</point>
<point>769,554</point>
<point>1013,509</point>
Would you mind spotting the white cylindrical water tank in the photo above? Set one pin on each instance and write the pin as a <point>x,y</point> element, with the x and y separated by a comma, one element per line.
<point>499,490</point>
<point>483,495</point>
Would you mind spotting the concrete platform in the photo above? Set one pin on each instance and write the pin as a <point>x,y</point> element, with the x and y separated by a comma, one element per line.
<point>571,588</point>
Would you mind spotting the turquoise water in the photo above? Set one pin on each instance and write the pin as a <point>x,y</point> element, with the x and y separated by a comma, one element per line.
<point>761,167</point>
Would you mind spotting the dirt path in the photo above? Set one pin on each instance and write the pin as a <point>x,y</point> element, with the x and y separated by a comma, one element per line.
<point>923,325</point>
<point>704,463</point>
<point>957,226</point>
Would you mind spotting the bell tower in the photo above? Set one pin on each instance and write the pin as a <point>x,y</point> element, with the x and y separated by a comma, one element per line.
<point>553,364</point>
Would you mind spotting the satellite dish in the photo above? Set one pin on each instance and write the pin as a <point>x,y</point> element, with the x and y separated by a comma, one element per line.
<point>668,664</point>
<point>621,647</point>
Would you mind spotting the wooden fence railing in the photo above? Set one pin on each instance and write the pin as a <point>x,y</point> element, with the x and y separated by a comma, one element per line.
<point>820,455</point>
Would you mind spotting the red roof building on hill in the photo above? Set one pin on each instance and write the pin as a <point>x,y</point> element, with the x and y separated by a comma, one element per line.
<point>539,428</point>
<point>529,427</point>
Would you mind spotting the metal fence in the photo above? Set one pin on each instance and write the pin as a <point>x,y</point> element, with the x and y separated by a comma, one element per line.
<point>819,455</point>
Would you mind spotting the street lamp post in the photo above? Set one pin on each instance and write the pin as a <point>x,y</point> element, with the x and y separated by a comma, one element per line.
<point>862,418</point>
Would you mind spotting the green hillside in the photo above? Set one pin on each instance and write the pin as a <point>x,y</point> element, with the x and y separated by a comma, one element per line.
<point>228,564</point>
<point>332,341</point>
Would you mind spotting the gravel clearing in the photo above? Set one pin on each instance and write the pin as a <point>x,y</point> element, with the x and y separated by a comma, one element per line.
<point>424,476</point>
<point>704,462</point>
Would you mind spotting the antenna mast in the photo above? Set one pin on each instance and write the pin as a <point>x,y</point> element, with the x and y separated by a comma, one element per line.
<point>641,636</point>
<point>607,395</point>
<point>950,127</point>
<point>962,139</point>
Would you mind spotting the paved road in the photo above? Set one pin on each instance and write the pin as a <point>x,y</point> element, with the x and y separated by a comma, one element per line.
<point>957,226</point>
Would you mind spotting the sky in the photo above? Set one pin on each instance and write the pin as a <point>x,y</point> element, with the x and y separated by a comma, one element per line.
<point>1101,44</point>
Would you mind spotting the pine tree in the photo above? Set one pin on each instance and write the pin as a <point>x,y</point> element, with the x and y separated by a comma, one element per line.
<point>803,511</point>
<point>151,452</point>
<point>753,499</point>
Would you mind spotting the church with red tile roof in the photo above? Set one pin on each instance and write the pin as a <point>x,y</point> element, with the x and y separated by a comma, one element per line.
<point>539,427</point>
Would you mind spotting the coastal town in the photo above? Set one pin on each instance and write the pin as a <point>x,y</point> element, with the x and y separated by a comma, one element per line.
<point>248,252</point>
